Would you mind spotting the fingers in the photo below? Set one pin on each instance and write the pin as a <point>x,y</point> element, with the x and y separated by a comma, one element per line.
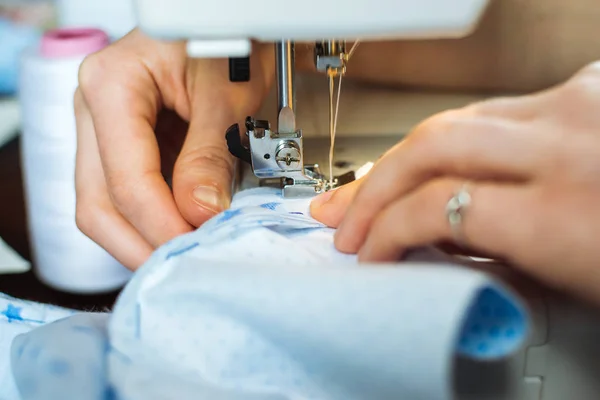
<point>492,224</point>
<point>448,145</point>
<point>522,108</point>
<point>330,207</point>
<point>203,173</point>
<point>96,216</point>
<point>124,101</point>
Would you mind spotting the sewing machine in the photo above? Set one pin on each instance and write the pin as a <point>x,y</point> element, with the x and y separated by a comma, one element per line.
<point>214,30</point>
<point>561,360</point>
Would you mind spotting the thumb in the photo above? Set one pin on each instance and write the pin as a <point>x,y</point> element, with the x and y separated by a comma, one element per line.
<point>330,207</point>
<point>203,174</point>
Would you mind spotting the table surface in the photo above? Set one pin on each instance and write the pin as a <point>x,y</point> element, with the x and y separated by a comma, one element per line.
<point>13,229</point>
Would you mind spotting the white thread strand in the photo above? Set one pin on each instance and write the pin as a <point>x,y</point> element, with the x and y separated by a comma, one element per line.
<point>334,130</point>
<point>353,49</point>
<point>333,115</point>
<point>331,120</point>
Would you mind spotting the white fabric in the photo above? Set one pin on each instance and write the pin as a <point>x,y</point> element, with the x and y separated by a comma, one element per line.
<point>10,261</point>
<point>19,317</point>
<point>257,304</point>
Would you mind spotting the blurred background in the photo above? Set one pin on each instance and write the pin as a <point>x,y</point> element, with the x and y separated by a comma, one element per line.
<point>22,24</point>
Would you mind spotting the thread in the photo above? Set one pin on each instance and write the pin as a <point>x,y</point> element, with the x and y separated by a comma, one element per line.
<point>334,111</point>
<point>331,83</point>
<point>64,258</point>
<point>334,130</point>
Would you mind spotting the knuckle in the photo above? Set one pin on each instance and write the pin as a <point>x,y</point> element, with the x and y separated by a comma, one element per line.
<point>592,69</point>
<point>129,193</point>
<point>437,126</point>
<point>124,192</point>
<point>88,71</point>
<point>95,70</point>
<point>216,158</point>
<point>431,137</point>
<point>85,214</point>
<point>585,84</point>
<point>583,87</point>
<point>494,105</point>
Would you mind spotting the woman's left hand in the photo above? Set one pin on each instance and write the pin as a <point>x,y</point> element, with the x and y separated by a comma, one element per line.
<point>532,165</point>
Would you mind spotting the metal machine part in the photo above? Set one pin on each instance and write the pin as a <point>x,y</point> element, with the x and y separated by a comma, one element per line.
<point>331,57</point>
<point>278,155</point>
<point>352,155</point>
<point>286,99</point>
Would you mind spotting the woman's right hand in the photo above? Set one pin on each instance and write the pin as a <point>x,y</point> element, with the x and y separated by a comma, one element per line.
<point>531,167</point>
<point>143,106</point>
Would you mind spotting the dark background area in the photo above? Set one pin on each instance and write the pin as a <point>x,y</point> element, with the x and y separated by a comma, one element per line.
<point>13,230</point>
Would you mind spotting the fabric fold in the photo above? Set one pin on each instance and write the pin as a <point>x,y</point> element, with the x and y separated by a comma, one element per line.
<point>258,303</point>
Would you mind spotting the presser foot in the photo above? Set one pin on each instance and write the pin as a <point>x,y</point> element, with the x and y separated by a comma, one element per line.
<point>295,188</point>
<point>277,159</point>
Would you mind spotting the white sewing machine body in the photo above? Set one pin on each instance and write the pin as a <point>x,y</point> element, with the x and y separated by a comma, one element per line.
<point>562,358</point>
<point>233,23</point>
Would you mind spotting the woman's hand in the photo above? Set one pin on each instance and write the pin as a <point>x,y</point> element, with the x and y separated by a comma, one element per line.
<point>533,168</point>
<point>139,103</point>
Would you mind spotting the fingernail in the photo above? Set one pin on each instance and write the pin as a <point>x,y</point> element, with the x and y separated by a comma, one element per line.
<point>210,198</point>
<point>322,198</point>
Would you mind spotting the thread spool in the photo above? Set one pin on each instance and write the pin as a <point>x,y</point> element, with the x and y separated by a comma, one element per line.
<point>64,258</point>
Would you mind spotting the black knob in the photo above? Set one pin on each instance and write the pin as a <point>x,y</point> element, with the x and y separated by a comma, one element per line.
<point>239,69</point>
<point>249,124</point>
<point>234,144</point>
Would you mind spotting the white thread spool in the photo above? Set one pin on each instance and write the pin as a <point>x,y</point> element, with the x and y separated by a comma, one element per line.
<point>64,258</point>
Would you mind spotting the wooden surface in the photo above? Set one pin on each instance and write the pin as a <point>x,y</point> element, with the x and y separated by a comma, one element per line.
<point>13,230</point>
<point>365,110</point>
<point>518,46</point>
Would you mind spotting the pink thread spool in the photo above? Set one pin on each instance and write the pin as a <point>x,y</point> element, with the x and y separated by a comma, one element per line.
<point>72,42</point>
